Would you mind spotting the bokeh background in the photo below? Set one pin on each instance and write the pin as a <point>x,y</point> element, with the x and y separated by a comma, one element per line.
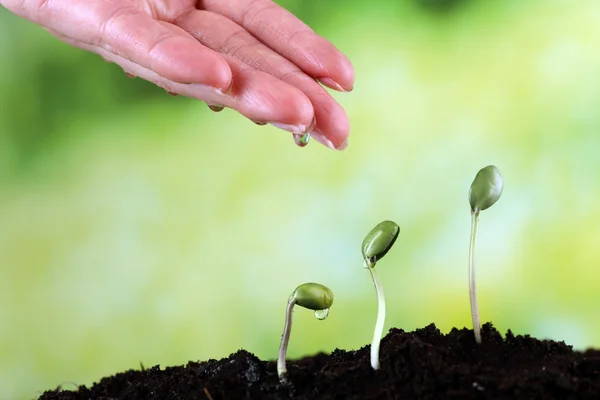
<point>140,228</point>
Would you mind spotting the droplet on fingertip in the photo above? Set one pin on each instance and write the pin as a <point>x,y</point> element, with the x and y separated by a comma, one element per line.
<point>216,107</point>
<point>301,139</point>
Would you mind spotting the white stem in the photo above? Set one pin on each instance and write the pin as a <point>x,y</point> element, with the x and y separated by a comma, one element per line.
<point>380,320</point>
<point>285,338</point>
<point>472,288</point>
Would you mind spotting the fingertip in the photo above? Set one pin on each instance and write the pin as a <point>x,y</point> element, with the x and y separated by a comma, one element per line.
<point>334,69</point>
<point>262,97</point>
<point>344,75</point>
<point>221,77</point>
<point>305,109</point>
<point>298,110</point>
<point>319,137</point>
<point>339,137</point>
<point>334,126</point>
<point>210,69</point>
<point>187,61</point>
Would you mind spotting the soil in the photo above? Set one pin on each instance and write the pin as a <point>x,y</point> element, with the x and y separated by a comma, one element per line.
<point>424,364</point>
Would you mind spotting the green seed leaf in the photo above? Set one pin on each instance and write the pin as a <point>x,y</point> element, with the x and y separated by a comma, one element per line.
<point>379,241</point>
<point>485,189</point>
<point>313,296</point>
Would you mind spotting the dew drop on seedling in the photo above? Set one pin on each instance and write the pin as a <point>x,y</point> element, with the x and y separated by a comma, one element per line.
<point>301,139</point>
<point>322,314</point>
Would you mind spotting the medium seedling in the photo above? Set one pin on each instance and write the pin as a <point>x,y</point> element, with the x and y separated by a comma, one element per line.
<point>313,296</point>
<point>484,192</point>
<point>376,245</point>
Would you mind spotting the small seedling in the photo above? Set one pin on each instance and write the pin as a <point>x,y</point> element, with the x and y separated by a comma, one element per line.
<point>484,192</point>
<point>313,296</point>
<point>376,245</point>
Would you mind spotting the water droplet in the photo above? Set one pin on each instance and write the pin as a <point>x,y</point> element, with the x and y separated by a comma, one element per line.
<point>322,314</point>
<point>216,107</point>
<point>370,262</point>
<point>301,139</point>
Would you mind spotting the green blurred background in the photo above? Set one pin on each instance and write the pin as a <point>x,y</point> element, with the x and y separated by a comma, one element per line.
<point>140,228</point>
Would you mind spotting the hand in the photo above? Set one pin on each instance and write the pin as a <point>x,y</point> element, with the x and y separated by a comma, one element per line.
<point>249,55</point>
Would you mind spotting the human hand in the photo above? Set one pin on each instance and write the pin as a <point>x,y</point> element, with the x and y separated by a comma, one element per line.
<point>250,55</point>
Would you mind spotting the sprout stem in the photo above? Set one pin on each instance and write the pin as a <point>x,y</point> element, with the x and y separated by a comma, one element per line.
<point>472,288</point>
<point>380,318</point>
<point>285,338</point>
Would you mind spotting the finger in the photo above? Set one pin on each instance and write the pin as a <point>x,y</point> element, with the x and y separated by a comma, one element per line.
<point>254,94</point>
<point>290,37</point>
<point>262,98</point>
<point>122,29</point>
<point>226,37</point>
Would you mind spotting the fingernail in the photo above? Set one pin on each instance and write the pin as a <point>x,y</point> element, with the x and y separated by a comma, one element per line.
<point>172,93</point>
<point>226,91</point>
<point>318,136</point>
<point>216,107</point>
<point>330,83</point>
<point>312,125</point>
<point>323,140</point>
<point>261,123</point>
<point>289,128</point>
<point>292,128</point>
<point>343,145</point>
<point>130,75</point>
<point>297,129</point>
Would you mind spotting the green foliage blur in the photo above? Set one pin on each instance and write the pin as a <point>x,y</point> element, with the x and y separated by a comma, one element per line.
<point>140,228</point>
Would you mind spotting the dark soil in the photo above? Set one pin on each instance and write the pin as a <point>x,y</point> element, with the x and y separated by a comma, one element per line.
<point>424,364</point>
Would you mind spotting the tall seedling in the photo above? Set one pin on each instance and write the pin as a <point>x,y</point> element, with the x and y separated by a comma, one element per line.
<point>484,192</point>
<point>376,245</point>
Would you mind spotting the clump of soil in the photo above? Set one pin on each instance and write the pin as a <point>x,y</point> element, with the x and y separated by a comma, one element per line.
<point>424,364</point>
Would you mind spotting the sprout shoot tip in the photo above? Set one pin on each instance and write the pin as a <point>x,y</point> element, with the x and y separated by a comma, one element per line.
<point>485,189</point>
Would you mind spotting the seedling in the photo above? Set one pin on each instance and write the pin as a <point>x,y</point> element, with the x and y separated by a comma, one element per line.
<point>376,245</point>
<point>313,296</point>
<point>484,192</point>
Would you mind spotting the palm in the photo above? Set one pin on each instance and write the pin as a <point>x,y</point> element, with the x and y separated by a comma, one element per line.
<point>250,55</point>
